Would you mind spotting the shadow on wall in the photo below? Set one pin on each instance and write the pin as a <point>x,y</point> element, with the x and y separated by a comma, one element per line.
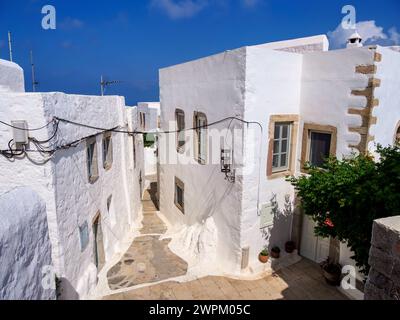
<point>279,233</point>
<point>65,290</point>
<point>211,203</point>
<point>153,194</point>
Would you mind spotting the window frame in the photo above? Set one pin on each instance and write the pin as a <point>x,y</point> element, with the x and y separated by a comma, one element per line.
<point>197,142</point>
<point>134,150</point>
<point>107,157</point>
<point>293,120</point>
<point>396,139</point>
<point>179,184</point>
<point>280,139</point>
<point>180,148</point>
<point>92,160</point>
<point>306,143</point>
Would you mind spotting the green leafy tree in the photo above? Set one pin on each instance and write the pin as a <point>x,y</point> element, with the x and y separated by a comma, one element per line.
<point>346,196</point>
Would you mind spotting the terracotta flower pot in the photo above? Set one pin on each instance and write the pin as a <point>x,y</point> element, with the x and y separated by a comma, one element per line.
<point>275,254</point>
<point>332,279</point>
<point>290,246</point>
<point>262,258</point>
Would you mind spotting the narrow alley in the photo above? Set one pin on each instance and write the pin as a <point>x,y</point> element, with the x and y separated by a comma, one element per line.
<point>148,270</point>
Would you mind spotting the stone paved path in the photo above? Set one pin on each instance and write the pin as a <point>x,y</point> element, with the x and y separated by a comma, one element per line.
<point>148,259</point>
<point>302,281</point>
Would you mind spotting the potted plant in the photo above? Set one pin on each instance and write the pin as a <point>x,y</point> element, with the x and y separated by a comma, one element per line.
<point>290,246</point>
<point>332,272</point>
<point>275,252</point>
<point>263,256</point>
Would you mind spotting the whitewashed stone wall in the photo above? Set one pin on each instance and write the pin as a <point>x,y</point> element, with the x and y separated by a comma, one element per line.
<point>71,201</point>
<point>384,277</point>
<point>11,77</point>
<point>25,249</point>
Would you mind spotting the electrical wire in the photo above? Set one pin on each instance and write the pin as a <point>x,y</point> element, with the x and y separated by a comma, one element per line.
<point>159,132</point>
<point>24,129</point>
<point>42,150</point>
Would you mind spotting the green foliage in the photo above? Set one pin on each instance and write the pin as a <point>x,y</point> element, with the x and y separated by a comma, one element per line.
<point>346,196</point>
<point>149,140</point>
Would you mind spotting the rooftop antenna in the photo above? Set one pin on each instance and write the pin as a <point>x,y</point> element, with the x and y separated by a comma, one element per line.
<point>34,82</point>
<point>10,46</point>
<point>105,83</point>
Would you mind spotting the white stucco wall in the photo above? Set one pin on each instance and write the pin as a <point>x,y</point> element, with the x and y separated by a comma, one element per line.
<point>388,111</point>
<point>254,83</point>
<point>11,77</point>
<point>152,111</point>
<point>25,253</point>
<point>300,45</point>
<point>273,87</point>
<point>214,85</point>
<point>63,183</point>
<point>150,160</point>
<point>327,81</point>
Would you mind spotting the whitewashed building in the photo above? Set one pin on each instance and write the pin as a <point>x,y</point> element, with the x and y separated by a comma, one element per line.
<point>149,114</point>
<point>304,102</point>
<point>91,185</point>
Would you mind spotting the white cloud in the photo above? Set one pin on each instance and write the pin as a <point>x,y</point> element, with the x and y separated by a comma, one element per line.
<point>177,9</point>
<point>369,31</point>
<point>71,23</point>
<point>394,36</point>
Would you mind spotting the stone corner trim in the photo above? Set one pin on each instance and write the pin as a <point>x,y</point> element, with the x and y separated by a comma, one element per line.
<point>366,113</point>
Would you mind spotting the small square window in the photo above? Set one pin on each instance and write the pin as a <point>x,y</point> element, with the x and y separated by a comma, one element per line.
<point>91,153</point>
<point>201,136</point>
<point>107,151</point>
<point>84,235</point>
<point>180,195</point>
<point>320,146</point>
<point>319,143</point>
<point>180,127</point>
<point>282,133</point>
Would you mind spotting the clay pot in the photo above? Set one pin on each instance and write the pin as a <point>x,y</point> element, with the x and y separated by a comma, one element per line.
<point>332,275</point>
<point>290,246</point>
<point>275,255</point>
<point>262,258</point>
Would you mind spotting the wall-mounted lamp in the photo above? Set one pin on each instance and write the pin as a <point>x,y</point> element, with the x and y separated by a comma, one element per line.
<point>226,165</point>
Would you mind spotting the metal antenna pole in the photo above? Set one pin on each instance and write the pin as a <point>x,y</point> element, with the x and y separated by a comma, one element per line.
<point>10,45</point>
<point>34,82</point>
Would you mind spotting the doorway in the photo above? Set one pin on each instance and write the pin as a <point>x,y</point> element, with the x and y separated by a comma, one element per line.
<point>99,255</point>
<point>312,247</point>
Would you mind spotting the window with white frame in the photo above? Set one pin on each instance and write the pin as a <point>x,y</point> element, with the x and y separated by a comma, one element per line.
<point>180,127</point>
<point>91,154</point>
<point>179,195</point>
<point>281,149</point>
<point>200,123</point>
<point>107,150</point>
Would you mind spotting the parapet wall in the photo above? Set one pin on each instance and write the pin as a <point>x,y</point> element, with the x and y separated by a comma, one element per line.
<point>25,250</point>
<point>384,277</point>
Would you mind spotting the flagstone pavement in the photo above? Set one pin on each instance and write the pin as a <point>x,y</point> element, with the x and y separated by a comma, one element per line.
<point>149,261</point>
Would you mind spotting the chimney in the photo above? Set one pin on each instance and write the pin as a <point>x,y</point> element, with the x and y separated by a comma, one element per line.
<point>354,41</point>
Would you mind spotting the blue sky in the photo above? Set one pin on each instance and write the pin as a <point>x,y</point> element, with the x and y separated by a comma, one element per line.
<point>131,40</point>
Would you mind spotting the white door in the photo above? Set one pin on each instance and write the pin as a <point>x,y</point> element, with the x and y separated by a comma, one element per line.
<point>312,247</point>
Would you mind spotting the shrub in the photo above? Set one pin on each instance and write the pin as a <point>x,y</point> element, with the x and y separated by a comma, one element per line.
<point>346,196</point>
